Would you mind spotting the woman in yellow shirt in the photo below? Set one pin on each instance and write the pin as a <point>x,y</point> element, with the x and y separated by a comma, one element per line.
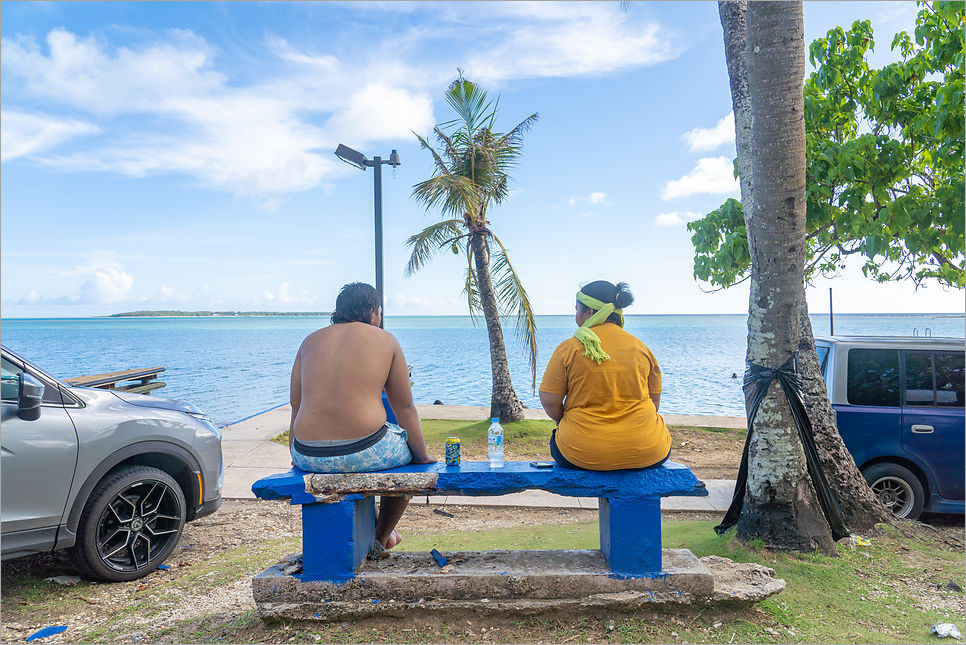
<point>603,389</point>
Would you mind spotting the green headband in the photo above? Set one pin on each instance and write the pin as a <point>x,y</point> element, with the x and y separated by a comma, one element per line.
<point>586,335</point>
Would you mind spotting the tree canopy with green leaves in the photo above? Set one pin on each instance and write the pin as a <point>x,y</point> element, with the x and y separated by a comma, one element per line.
<point>884,161</point>
<point>471,173</point>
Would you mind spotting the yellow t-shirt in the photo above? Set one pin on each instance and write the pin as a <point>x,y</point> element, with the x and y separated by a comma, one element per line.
<point>609,420</point>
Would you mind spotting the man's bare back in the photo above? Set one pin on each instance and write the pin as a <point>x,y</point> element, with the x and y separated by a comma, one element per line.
<point>342,372</point>
<point>338,379</point>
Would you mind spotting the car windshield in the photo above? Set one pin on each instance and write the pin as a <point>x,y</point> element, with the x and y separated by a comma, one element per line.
<point>33,369</point>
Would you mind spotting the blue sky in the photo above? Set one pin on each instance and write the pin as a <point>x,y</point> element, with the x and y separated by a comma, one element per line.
<point>180,155</point>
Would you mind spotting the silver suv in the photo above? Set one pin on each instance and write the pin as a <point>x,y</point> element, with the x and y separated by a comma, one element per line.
<point>111,475</point>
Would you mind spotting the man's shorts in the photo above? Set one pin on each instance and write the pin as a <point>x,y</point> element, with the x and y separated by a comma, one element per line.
<point>383,449</point>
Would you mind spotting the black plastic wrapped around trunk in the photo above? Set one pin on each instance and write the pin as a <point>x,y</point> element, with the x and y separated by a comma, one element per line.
<point>756,383</point>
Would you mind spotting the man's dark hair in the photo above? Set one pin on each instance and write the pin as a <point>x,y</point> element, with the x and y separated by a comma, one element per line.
<point>620,295</point>
<point>355,303</point>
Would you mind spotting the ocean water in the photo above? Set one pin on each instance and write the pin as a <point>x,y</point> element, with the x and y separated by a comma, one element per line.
<point>233,368</point>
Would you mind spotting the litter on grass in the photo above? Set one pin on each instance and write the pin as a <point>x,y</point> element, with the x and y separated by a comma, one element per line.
<point>943,630</point>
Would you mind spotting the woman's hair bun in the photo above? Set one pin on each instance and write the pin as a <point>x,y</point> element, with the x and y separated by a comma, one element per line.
<point>624,297</point>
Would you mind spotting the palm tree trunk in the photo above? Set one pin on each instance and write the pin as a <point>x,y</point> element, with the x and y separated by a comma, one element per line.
<point>504,403</point>
<point>780,505</point>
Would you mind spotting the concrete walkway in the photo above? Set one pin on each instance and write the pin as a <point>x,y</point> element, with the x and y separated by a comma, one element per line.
<point>250,455</point>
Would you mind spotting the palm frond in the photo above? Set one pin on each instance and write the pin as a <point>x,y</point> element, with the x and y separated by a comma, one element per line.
<point>512,296</point>
<point>437,160</point>
<point>453,194</point>
<point>469,101</point>
<point>430,240</point>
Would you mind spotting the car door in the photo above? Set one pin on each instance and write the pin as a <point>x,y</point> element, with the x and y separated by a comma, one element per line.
<point>869,422</point>
<point>932,417</point>
<point>37,461</point>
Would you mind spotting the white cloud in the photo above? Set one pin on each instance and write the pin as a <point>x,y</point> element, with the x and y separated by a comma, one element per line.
<point>106,287</point>
<point>172,109</point>
<point>81,73</point>
<point>563,39</point>
<point>714,175</point>
<point>592,198</point>
<point>702,140</point>
<point>285,295</point>
<point>377,112</point>
<point>24,134</point>
<point>675,218</point>
<point>257,140</point>
<point>167,296</point>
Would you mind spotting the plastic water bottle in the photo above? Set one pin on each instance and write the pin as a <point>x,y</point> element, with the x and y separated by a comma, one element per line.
<point>494,444</point>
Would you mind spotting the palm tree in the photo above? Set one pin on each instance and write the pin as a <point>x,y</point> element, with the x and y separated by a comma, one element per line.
<point>471,173</point>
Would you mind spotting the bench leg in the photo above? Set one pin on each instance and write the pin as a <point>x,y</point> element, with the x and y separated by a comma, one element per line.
<point>630,535</point>
<point>336,538</point>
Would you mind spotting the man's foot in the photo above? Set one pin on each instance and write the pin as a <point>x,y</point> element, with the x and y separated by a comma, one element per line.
<point>394,539</point>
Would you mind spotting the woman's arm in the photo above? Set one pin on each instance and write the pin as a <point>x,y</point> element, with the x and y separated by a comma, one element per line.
<point>553,405</point>
<point>657,400</point>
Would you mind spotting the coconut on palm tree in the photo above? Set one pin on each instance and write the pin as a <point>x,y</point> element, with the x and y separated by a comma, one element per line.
<point>471,173</point>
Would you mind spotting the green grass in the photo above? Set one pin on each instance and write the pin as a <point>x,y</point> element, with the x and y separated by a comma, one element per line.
<point>855,596</point>
<point>581,535</point>
<point>521,438</point>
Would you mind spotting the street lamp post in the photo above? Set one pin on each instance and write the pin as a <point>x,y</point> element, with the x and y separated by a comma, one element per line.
<point>359,160</point>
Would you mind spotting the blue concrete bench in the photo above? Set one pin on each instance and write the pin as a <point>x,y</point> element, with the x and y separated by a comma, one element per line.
<point>338,511</point>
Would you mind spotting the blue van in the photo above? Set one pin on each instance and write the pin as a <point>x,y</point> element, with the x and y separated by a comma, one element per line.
<point>898,403</point>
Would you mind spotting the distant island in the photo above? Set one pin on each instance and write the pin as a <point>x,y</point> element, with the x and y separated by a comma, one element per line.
<point>211,314</point>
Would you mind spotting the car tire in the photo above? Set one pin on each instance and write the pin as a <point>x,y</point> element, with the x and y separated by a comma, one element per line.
<point>130,524</point>
<point>898,488</point>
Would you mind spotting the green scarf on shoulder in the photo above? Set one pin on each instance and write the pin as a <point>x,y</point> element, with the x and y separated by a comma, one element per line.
<point>586,335</point>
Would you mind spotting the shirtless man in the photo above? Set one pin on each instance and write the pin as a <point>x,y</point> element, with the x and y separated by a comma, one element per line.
<point>338,419</point>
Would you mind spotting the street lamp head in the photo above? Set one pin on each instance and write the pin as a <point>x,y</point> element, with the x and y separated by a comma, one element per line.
<point>394,159</point>
<point>351,157</point>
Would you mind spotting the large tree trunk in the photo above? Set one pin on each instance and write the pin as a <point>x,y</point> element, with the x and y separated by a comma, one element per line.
<point>780,506</point>
<point>733,23</point>
<point>860,508</point>
<point>504,403</point>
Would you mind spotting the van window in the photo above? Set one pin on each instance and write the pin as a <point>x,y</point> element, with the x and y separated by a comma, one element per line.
<point>873,377</point>
<point>919,386</point>
<point>949,379</point>
<point>822,359</point>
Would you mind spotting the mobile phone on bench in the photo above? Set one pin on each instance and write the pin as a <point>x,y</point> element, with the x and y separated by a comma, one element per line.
<point>542,464</point>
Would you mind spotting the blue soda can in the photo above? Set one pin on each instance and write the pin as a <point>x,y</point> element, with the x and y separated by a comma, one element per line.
<point>452,451</point>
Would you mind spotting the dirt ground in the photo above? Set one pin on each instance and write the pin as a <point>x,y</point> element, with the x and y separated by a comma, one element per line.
<point>195,600</point>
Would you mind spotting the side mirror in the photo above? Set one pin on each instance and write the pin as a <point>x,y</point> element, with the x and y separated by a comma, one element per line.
<point>29,397</point>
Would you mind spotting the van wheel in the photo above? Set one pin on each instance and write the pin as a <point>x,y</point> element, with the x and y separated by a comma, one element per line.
<point>130,524</point>
<point>898,488</point>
